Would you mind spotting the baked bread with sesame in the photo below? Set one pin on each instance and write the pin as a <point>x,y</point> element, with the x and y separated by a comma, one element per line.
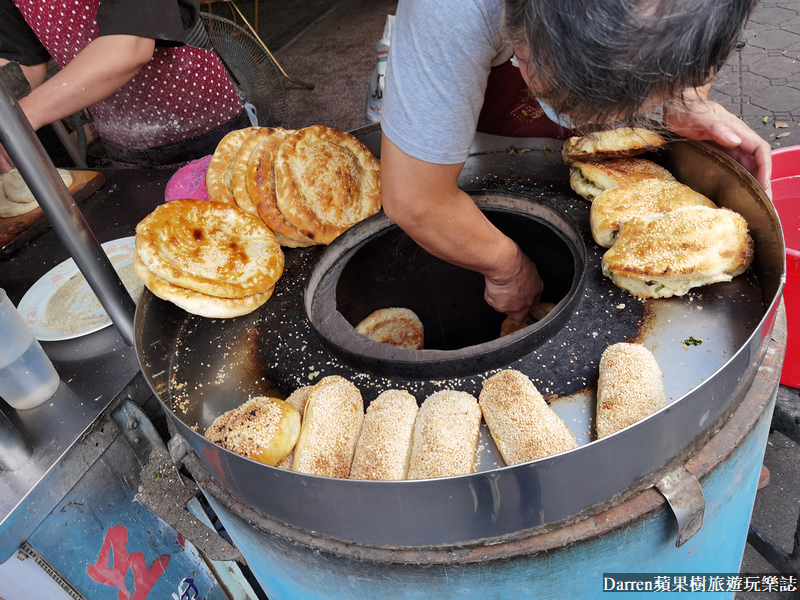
<point>612,143</point>
<point>384,446</point>
<point>332,423</point>
<point>665,255</point>
<point>298,399</point>
<point>629,387</point>
<point>326,181</point>
<point>218,174</point>
<point>395,326</point>
<point>445,436</point>
<point>590,179</point>
<point>641,199</point>
<point>263,429</point>
<point>260,181</point>
<point>522,424</point>
<point>238,168</point>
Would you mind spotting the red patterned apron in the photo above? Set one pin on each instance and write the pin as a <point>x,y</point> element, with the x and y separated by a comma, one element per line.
<point>182,93</point>
<point>510,110</point>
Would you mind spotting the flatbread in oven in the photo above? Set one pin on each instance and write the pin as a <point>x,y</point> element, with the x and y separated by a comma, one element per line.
<point>332,423</point>
<point>590,179</point>
<point>629,387</point>
<point>196,303</point>
<point>384,446</point>
<point>522,424</point>
<point>238,168</point>
<point>395,326</point>
<point>260,181</point>
<point>326,181</point>
<point>210,247</point>
<point>668,254</point>
<point>640,199</point>
<point>612,143</point>
<point>262,429</point>
<point>218,175</point>
<point>445,436</point>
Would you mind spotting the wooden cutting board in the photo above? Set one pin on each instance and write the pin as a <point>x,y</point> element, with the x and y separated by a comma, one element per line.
<point>15,231</point>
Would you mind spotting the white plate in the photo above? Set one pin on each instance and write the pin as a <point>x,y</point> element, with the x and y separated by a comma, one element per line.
<point>84,310</point>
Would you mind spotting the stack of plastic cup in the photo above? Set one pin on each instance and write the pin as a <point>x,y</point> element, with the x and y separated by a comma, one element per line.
<point>27,377</point>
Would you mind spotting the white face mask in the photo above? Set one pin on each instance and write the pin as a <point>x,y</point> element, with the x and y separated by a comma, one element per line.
<point>562,120</point>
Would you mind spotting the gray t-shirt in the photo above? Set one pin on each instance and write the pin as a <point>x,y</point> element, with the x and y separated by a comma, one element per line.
<point>440,58</point>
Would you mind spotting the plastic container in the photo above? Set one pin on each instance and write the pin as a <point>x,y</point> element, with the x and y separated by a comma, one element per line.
<point>786,197</point>
<point>27,377</point>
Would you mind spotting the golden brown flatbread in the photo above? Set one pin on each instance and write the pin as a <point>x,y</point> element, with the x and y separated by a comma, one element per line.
<point>395,326</point>
<point>209,247</point>
<point>445,436</point>
<point>522,424</point>
<point>262,429</point>
<point>332,423</point>
<point>641,199</point>
<point>195,302</point>
<point>260,181</point>
<point>668,254</point>
<point>629,387</point>
<point>590,179</point>
<point>326,181</point>
<point>384,446</point>
<point>218,175</point>
<point>611,143</point>
<point>238,168</point>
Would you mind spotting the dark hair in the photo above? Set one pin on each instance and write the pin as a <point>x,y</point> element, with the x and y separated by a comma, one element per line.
<point>597,60</point>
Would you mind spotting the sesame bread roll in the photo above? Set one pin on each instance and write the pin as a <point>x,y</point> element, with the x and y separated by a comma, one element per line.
<point>263,429</point>
<point>298,399</point>
<point>331,425</point>
<point>445,436</point>
<point>522,424</point>
<point>629,387</point>
<point>384,447</point>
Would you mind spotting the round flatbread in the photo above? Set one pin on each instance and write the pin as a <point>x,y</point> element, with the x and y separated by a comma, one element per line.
<point>210,247</point>
<point>238,168</point>
<point>218,176</point>
<point>395,326</point>
<point>261,189</point>
<point>195,302</point>
<point>326,181</point>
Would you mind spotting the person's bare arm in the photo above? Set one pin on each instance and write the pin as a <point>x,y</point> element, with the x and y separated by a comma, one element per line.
<point>103,67</point>
<point>424,200</point>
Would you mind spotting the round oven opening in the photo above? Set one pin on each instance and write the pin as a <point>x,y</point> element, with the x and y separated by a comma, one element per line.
<point>376,265</point>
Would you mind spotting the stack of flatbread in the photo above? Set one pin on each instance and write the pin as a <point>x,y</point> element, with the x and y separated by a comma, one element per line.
<point>664,237</point>
<point>210,258</point>
<point>15,196</point>
<point>308,185</point>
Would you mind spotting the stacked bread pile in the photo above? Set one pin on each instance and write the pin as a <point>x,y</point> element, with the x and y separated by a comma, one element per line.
<point>210,258</point>
<point>664,237</point>
<point>323,429</point>
<point>307,185</point>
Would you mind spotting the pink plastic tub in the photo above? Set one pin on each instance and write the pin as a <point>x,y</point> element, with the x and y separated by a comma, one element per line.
<point>786,197</point>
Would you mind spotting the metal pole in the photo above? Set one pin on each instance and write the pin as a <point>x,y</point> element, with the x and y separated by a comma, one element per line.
<point>29,156</point>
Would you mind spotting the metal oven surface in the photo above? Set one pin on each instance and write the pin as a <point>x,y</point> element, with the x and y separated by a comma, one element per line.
<point>200,368</point>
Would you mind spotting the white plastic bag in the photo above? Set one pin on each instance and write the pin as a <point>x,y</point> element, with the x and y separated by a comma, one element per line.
<point>378,79</point>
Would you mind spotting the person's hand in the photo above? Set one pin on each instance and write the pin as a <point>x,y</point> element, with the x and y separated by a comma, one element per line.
<point>514,294</point>
<point>5,162</point>
<point>698,118</point>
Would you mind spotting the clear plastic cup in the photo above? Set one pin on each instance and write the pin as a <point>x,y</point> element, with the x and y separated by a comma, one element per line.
<point>27,377</point>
